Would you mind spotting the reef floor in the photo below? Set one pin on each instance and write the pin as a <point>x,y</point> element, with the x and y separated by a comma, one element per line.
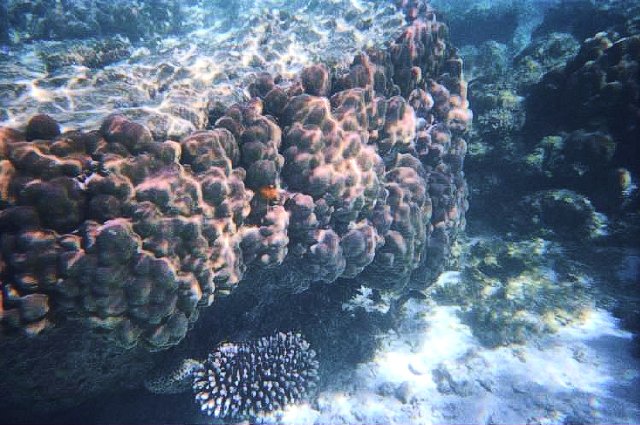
<point>440,373</point>
<point>434,367</point>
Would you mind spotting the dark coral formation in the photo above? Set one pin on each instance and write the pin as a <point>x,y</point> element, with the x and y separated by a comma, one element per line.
<point>41,127</point>
<point>597,91</point>
<point>541,56</point>
<point>559,214</point>
<point>339,174</point>
<point>92,53</point>
<point>244,379</point>
<point>43,20</point>
<point>561,115</point>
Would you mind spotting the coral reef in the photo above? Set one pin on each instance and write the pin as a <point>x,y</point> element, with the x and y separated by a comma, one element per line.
<point>335,154</point>
<point>139,261</point>
<point>181,63</point>
<point>259,176</point>
<point>561,116</point>
<point>559,214</point>
<point>597,90</point>
<point>91,53</point>
<point>34,20</point>
<point>543,55</point>
<point>340,173</point>
<point>553,154</point>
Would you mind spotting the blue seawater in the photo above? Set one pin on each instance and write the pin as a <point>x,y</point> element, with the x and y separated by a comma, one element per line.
<point>305,211</point>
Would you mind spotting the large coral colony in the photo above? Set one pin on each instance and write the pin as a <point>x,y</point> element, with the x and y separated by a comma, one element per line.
<point>351,172</point>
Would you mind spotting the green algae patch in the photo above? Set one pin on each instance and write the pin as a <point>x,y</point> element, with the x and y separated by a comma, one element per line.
<point>509,291</point>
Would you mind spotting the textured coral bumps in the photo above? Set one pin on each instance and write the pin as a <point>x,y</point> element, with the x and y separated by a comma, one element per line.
<point>347,173</point>
<point>131,242</point>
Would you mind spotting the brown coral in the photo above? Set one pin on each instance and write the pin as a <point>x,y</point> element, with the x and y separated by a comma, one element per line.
<point>154,235</point>
<point>352,173</point>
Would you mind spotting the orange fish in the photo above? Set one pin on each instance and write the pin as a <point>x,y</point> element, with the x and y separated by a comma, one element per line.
<point>269,193</point>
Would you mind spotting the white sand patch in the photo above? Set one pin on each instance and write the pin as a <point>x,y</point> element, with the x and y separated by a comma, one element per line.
<point>437,372</point>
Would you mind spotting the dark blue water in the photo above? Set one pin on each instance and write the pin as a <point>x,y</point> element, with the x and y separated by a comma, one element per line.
<point>440,199</point>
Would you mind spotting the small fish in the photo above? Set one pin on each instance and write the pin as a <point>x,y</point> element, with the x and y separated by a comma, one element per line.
<point>270,194</point>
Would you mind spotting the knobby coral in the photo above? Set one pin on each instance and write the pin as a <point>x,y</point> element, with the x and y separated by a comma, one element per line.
<point>364,168</point>
<point>346,173</point>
